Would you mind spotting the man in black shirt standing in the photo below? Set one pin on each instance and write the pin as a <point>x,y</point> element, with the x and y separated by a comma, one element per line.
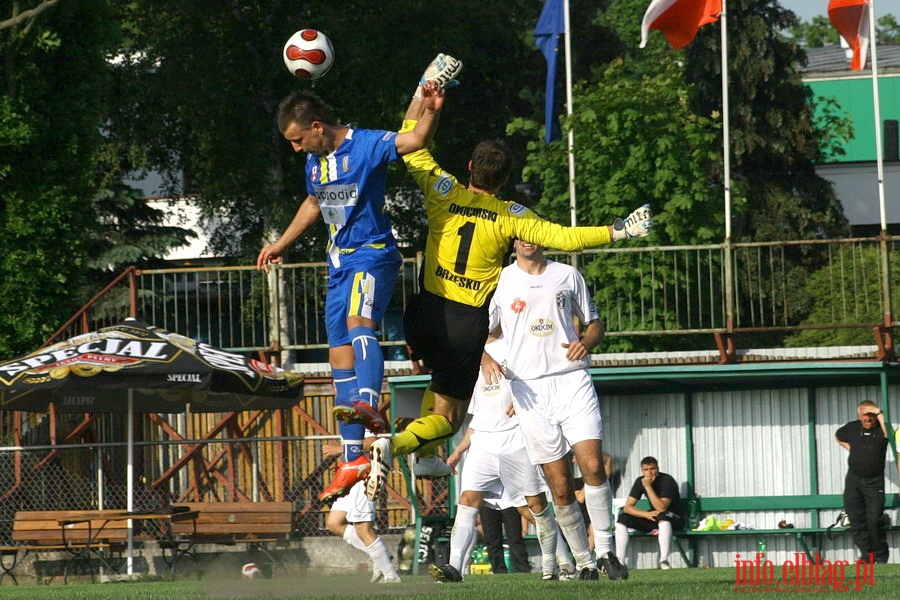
<point>867,441</point>
<point>664,516</point>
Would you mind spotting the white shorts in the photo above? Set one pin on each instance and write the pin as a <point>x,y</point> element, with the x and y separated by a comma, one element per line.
<point>358,507</point>
<point>498,466</point>
<point>556,412</point>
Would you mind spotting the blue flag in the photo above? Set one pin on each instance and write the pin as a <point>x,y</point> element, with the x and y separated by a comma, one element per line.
<point>550,26</point>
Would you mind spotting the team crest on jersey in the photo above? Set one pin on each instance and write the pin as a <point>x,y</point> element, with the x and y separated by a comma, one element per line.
<point>345,164</point>
<point>541,328</point>
<point>561,299</point>
<point>517,209</point>
<point>314,174</point>
<point>518,305</point>
<point>443,184</point>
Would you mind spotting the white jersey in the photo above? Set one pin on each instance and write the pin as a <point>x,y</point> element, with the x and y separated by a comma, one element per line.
<point>535,313</point>
<point>497,462</point>
<point>490,403</point>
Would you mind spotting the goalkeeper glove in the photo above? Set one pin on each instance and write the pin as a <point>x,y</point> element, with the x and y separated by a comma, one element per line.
<point>442,70</point>
<point>637,224</point>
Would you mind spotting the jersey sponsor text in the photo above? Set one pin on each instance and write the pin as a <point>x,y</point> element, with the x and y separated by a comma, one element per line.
<point>464,282</point>
<point>473,211</point>
<point>541,328</point>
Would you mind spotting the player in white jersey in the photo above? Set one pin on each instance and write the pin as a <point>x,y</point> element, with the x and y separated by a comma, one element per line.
<point>352,518</point>
<point>496,466</point>
<point>534,309</point>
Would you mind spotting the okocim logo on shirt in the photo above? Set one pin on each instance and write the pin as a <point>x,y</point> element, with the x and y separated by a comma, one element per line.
<point>541,328</point>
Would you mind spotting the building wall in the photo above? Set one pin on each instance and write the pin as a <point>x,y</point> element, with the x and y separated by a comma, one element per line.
<point>764,442</point>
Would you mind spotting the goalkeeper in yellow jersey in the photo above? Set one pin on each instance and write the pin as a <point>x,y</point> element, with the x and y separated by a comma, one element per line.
<point>469,236</point>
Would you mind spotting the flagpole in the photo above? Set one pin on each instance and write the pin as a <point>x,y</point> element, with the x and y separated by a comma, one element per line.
<point>726,182</point>
<point>879,159</point>
<point>726,131</point>
<point>572,201</point>
<point>887,318</point>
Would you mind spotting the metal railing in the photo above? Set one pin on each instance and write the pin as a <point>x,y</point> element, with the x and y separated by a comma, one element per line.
<point>660,298</point>
<point>88,476</point>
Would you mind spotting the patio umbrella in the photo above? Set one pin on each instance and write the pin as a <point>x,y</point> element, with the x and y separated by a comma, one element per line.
<point>135,367</point>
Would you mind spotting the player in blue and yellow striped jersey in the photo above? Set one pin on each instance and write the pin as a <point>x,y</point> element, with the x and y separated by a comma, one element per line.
<point>346,171</point>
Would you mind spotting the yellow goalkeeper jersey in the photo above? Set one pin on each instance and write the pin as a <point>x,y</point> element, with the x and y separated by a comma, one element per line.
<point>469,234</point>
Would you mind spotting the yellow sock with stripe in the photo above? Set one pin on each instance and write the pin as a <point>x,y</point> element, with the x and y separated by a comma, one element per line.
<point>432,428</point>
<point>428,450</point>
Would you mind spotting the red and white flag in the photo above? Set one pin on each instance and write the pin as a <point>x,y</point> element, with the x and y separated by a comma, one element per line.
<point>679,20</point>
<point>851,19</point>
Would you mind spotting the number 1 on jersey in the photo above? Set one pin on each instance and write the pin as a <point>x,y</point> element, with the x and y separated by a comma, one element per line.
<point>465,233</point>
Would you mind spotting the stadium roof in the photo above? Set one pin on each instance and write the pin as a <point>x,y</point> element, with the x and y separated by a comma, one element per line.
<point>832,61</point>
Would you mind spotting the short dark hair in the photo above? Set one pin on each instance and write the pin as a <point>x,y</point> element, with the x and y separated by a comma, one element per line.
<point>649,460</point>
<point>302,108</point>
<point>491,164</point>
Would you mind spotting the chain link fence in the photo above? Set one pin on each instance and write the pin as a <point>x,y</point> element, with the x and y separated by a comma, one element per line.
<point>196,458</point>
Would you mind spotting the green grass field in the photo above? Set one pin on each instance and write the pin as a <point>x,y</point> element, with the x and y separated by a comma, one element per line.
<point>677,584</point>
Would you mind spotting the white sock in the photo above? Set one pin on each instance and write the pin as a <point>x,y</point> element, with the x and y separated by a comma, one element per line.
<point>352,538</point>
<point>379,554</point>
<point>571,523</point>
<point>598,500</point>
<point>621,542</point>
<point>665,540</point>
<point>546,534</point>
<point>563,554</point>
<point>462,538</point>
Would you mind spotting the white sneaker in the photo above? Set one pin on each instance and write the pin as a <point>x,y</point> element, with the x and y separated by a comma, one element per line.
<point>382,463</point>
<point>664,565</point>
<point>391,580</point>
<point>431,467</point>
<point>377,575</point>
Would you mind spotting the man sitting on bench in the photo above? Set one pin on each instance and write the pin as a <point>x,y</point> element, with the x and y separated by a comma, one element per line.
<point>661,520</point>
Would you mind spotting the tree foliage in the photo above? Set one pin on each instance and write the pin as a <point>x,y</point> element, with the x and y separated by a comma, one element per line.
<point>52,100</point>
<point>204,78</point>
<point>649,129</point>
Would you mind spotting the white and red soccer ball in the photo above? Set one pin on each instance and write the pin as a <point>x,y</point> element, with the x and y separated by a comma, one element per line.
<point>308,54</point>
<point>251,571</point>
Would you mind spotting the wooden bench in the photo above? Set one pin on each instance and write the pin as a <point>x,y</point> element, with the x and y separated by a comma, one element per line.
<point>88,537</point>
<point>258,525</point>
<point>810,539</point>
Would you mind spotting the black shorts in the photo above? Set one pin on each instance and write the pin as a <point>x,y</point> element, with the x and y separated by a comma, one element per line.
<point>449,338</point>
<point>647,525</point>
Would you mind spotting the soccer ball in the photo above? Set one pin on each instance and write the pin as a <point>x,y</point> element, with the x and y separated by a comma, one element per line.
<point>251,571</point>
<point>308,54</point>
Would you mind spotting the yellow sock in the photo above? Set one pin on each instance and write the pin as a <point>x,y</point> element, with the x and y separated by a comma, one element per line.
<point>427,450</point>
<point>432,428</point>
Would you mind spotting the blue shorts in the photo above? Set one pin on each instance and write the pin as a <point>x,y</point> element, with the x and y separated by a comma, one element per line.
<point>361,286</point>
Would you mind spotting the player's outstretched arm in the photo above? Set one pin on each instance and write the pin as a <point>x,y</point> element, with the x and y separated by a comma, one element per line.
<point>421,134</point>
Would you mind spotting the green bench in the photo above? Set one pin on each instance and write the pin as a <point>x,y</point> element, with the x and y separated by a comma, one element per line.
<point>809,539</point>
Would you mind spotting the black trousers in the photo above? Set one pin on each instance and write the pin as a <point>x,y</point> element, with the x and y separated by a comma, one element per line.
<point>864,504</point>
<point>493,524</point>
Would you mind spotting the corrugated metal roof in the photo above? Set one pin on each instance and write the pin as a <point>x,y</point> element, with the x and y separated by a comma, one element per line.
<point>832,61</point>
